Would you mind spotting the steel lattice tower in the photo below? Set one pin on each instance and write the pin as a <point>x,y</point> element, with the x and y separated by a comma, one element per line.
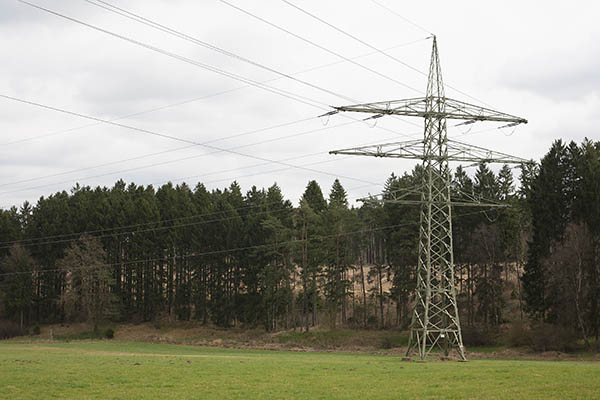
<point>435,321</point>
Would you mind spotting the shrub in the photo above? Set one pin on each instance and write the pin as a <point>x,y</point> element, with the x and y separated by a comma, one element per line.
<point>546,337</point>
<point>478,335</point>
<point>109,333</point>
<point>36,330</point>
<point>372,322</point>
<point>519,335</point>
<point>387,342</point>
<point>10,329</point>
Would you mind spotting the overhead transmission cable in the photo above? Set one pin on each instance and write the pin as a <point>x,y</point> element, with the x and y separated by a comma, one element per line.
<point>171,137</point>
<point>190,157</point>
<point>426,30</point>
<point>75,20</point>
<point>402,17</point>
<point>148,22</point>
<point>90,232</point>
<point>214,252</point>
<point>188,101</point>
<point>205,154</point>
<point>320,46</point>
<point>280,92</point>
<point>164,152</point>
<point>57,239</point>
<point>212,213</point>
<point>374,48</point>
<point>145,21</point>
<point>120,36</point>
<point>289,3</point>
<point>312,238</point>
<point>186,158</point>
<point>170,106</point>
<point>140,231</point>
<point>302,99</point>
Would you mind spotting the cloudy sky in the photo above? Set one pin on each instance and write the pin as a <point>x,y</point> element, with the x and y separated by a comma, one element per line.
<point>250,122</point>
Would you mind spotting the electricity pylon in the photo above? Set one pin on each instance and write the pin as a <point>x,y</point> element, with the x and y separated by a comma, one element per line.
<point>435,322</point>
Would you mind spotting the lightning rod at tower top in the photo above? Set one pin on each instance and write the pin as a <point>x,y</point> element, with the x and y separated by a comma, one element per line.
<point>435,320</point>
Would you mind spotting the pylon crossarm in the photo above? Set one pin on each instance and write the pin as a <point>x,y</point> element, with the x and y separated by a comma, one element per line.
<point>458,151</point>
<point>374,200</point>
<point>475,200</point>
<point>418,107</point>
<point>413,149</point>
<point>393,195</point>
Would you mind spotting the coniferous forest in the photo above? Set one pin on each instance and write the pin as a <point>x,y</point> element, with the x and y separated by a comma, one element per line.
<point>226,258</point>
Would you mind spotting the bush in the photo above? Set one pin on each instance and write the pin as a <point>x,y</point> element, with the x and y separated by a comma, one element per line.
<point>546,337</point>
<point>519,335</point>
<point>109,333</point>
<point>372,322</point>
<point>387,342</point>
<point>9,329</point>
<point>36,330</point>
<point>478,335</point>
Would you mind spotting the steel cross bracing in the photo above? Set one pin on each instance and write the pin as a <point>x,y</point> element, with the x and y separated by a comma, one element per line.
<point>435,321</point>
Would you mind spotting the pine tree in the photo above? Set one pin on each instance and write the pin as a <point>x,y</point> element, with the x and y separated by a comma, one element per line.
<point>337,195</point>
<point>314,197</point>
<point>17,287</point>
<point>549,207</point>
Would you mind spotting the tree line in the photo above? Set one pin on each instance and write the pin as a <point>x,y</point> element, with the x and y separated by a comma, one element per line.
<point>222,257</point>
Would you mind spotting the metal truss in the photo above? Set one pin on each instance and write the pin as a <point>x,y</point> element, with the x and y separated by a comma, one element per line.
<point>435,321</point>
<point>413,149</point>
<point>400,196</point>
<point>421,107</point>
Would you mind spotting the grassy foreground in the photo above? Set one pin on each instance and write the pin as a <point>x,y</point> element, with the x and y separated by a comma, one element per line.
<point>126,370</point>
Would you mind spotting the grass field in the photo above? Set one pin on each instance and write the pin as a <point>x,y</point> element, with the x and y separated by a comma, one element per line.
<point>127,370</point>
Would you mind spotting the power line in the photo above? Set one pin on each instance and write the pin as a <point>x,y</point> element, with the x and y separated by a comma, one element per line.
<point>170,106</point>
<point>181,58</point>
<point>145,21</point>
<point>170,137</point>
<point>314,68</point>
<point>129,226</point>
<point>319,46</point>
<point>418,26</point>
<point>353,37</point>
<point>190,217</point>
<point>402,17</point>
<point>188,158</point>
<point>212,173</point>
<point>302,99</point>
<point>138,18</point>
<point>117,34</point>
<point>219,71</point>
<point>181,159</point>
<point>221,171</point>
<point>39,241</point>
<point>139,231</point>
<point>171,31</point>
<point>374,48</point>
<point>164,152</point>
<point>184,256</point>
<point>312,238</point>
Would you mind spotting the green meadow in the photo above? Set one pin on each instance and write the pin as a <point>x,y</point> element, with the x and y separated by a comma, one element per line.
<point>130,370</point>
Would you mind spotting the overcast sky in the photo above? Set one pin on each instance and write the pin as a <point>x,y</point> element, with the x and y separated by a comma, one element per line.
<point>537,60</point>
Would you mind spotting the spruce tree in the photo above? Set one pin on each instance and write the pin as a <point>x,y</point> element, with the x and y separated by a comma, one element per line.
<point>314,197</point>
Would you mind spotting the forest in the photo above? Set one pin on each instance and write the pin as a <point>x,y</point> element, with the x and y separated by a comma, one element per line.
<point>224,258</point>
